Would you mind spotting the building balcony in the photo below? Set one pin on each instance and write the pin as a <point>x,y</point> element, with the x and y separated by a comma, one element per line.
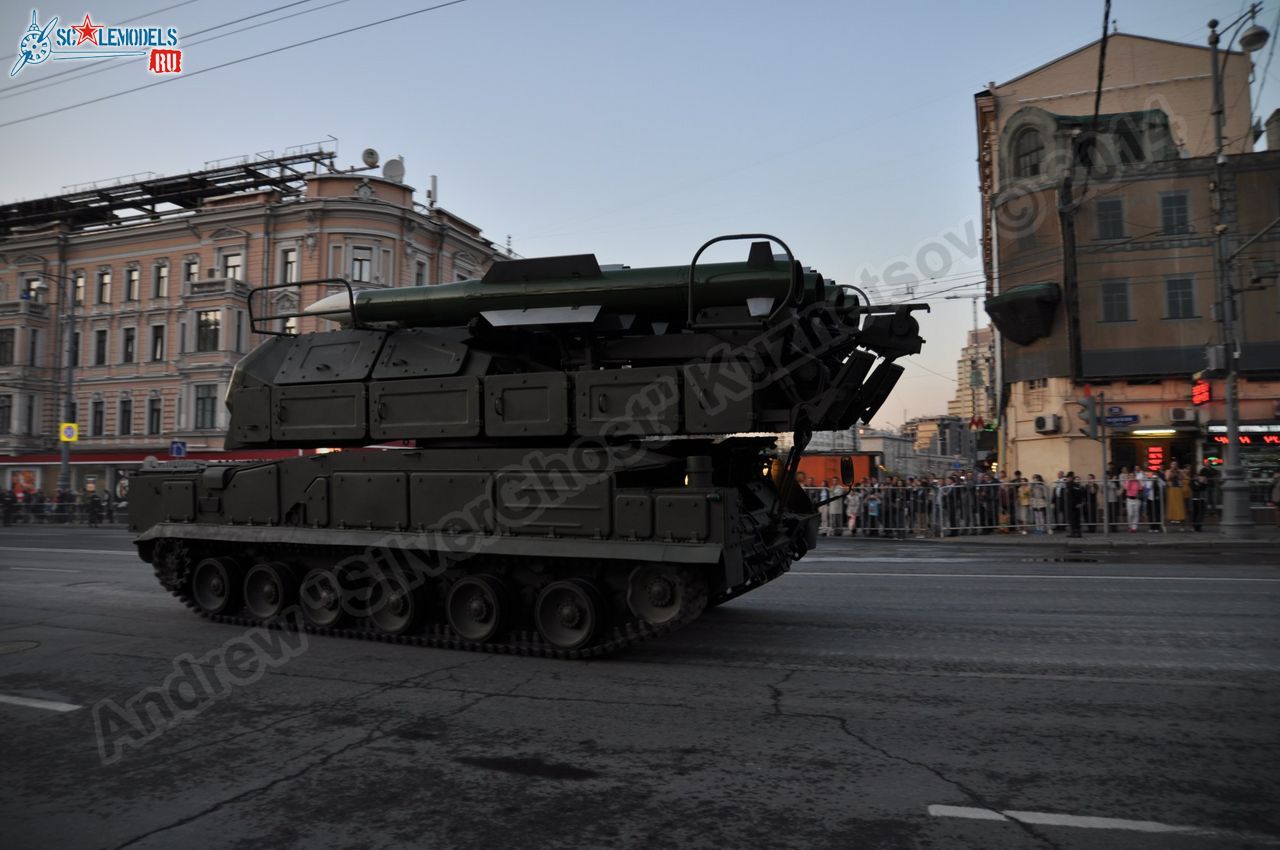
<point>24,307</point>
<point>216,287</point>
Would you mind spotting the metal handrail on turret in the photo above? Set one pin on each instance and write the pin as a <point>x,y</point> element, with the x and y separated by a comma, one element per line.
<point>793,291</point>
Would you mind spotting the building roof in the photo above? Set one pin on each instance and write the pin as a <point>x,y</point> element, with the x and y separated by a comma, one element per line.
<point>1112,37</point>
<point>157,196</point>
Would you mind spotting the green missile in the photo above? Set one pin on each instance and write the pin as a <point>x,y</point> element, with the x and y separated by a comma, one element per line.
<point>556,290</point>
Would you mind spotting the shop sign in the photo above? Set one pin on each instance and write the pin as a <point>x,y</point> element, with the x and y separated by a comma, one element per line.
<point>1201,393</point>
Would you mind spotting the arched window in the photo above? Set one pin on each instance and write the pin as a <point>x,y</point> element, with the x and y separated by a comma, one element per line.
<point>1028,151</point>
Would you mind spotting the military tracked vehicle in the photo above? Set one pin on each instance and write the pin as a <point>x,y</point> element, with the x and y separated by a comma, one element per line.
<point>556,459</point>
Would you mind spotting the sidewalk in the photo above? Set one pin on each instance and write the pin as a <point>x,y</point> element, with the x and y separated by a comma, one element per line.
<point>1260,536</point>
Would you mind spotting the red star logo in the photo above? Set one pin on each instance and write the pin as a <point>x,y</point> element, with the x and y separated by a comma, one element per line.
<point>87,31</point>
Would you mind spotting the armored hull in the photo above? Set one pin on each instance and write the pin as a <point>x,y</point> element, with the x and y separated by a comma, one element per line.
<point>568,479</point>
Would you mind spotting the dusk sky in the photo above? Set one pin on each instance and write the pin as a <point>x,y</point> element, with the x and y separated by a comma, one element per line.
<point>632,130</point>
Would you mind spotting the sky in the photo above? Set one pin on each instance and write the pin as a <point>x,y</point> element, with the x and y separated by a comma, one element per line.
<point>633,130</point>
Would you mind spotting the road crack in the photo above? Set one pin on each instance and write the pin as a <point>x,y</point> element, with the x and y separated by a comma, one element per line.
<point>776,690</point>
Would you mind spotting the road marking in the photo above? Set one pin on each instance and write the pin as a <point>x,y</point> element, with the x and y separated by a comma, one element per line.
<point>1035,575</point>
<point>48,705</point>
<point>41,570</point>
<point>1085,822</point>
<point>49,551</point>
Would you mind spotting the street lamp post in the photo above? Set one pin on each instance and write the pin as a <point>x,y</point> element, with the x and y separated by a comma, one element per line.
<point>1236,519</point>
<point>68,400</point>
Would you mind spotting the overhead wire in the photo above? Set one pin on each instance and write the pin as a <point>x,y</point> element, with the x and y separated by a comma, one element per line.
<point>231,62</point>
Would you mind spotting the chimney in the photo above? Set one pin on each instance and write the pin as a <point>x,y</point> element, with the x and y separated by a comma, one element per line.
<point>1273,131</point>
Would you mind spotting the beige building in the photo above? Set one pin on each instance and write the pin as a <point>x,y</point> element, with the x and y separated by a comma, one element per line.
<point>975,378</point>
<point>1099,255</point>
<point>143,287</point>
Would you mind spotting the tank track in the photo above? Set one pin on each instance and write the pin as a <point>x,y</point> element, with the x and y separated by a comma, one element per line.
<point>438,636</point>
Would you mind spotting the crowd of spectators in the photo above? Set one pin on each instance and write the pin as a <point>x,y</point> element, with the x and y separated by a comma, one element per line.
<point>1125,501</point>
<point>64,507</point>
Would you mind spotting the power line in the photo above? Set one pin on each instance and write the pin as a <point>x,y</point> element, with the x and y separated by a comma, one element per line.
<point>228,64</point>
<point>73,74</point>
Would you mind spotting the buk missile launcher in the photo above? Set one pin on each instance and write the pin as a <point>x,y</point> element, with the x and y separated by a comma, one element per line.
<point>580,457</point>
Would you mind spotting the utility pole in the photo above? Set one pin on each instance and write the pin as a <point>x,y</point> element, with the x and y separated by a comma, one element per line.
<point>1236,514</point>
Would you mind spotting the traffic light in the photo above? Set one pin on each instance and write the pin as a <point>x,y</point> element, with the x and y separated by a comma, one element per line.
<point>1091,414</point>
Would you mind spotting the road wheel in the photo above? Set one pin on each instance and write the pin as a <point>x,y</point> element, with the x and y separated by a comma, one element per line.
<point>321,597</point>
<point>569,614</point>
<point>394,605</point>
<point>268,589</point>
<point>214,585</point>
<point>477,607</point>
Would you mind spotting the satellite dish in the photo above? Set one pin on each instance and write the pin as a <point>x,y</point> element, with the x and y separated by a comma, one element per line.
<point>394,169</point>
<point>369,157</point>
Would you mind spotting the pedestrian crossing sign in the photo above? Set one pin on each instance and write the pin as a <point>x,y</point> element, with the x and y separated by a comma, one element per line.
<point>68,432</point>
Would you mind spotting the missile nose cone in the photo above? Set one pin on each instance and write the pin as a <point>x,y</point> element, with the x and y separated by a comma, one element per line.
<point>336,307</point>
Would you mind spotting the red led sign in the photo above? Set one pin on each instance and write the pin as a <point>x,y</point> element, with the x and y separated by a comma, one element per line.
<point>1201,393</point>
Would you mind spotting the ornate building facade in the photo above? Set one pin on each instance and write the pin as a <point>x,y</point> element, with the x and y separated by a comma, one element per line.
<point>141,289</point>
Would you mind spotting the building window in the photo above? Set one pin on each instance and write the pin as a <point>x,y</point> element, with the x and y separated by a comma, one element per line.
<point>206,409</point>
<point>98,417</point>
<point>33,346</point>
<point>1028,153</point>
<point>362,265</point>
<point>31,414</point>
<point>6,414</point>
<point>33,290</point>
<point>289,265</point>
<point>239,330</point>
<point>75,348</point>
<point>1110,218</point>
<point>208,323</point>
<point>157,343</point>
<point>191,270</point>
<point>1174,214</point>
<point>1115,301</point>
<point>104,287</point>
<point>99,348</point>
<point>129,346</point>
<point>131,287</point>
<point>79,289</point>
<point>231,265</point>
<point>124,426</point>
<point>420,274</point>
<point>6,346</point>
<point>160,281</point>
<point>1179,298</point>
<point>154,411</point>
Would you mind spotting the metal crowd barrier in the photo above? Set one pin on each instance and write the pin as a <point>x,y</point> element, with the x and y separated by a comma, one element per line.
<point>949,509</point>
<point>50,513</point>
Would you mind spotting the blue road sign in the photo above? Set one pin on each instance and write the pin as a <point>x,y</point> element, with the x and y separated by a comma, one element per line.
<point>1113,421</point>
<point>177,448</point>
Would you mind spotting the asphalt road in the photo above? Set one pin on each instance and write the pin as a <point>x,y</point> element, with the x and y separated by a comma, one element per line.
<point>883,695</point>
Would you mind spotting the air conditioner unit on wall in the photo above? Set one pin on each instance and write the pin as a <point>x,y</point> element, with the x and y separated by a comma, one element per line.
<point>1182,414</point>
<point>1050,423</point>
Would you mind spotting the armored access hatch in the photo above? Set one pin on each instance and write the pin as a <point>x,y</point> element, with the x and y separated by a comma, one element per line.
<point>318,392</point>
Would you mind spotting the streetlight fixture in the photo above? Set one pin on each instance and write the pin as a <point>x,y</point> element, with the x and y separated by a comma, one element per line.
<point>1236,518</point>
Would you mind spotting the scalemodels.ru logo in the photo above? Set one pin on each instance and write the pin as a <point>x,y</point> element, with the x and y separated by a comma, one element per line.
<point>98,41</point>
